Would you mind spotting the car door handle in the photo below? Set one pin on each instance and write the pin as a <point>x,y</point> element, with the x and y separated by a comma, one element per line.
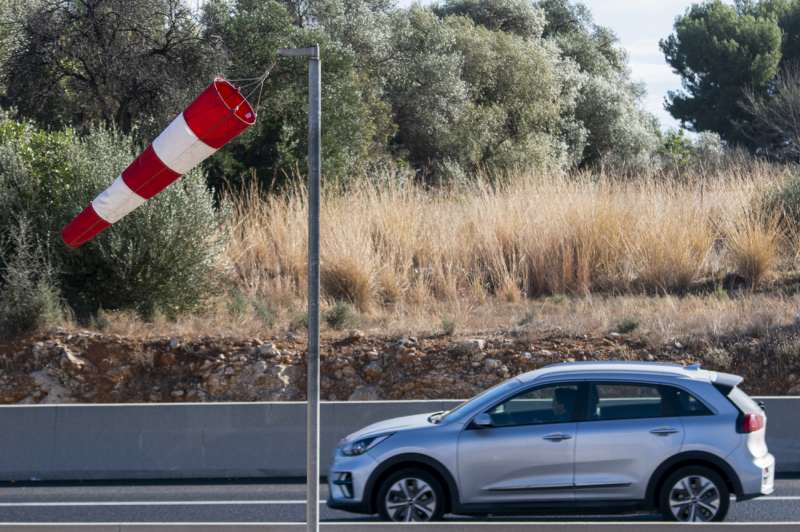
<point>558,436</point>
<point>664,431</point>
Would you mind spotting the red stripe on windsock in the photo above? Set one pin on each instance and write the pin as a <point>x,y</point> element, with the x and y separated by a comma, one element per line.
<point>219,114</point>
<point>148,175</point>
<point>83,227</point>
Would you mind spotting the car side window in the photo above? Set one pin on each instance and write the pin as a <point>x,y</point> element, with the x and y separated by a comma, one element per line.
<point>679,402</point>
<point>556,403</point>
<point>611,401</point>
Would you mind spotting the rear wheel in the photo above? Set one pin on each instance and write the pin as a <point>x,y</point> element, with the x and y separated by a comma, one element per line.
<point>411,495</point>
<point>694,494</point>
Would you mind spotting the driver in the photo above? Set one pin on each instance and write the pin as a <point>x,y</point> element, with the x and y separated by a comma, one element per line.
<point>564,403</point>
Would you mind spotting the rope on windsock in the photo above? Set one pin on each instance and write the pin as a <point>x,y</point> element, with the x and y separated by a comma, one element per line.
<point>213,119</point>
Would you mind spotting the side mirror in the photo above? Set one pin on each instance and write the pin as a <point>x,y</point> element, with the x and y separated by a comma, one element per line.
<point>483,421</point>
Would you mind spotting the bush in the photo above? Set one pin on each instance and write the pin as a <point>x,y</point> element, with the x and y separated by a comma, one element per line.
<point>784,203</point>
<point>341,316</point>
<point>161,257</point>
<point>29,297</point>
<point>628,325</point>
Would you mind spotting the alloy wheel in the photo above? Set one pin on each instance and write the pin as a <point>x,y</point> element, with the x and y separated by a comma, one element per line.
<point>410,500</point>
<point>694,498</point>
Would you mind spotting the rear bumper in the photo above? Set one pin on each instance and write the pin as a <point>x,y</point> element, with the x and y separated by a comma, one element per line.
<point>759,478</point>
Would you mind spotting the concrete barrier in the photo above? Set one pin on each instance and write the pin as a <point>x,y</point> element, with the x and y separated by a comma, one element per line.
<point>224,440</point>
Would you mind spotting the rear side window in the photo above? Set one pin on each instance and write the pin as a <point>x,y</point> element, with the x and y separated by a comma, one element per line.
<point>610,401</point>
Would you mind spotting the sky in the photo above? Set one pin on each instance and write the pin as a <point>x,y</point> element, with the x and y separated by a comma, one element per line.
<point>640,24</point>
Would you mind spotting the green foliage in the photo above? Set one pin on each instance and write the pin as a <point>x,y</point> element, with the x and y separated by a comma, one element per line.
<point>720,51</point>
<point>341,316</point>
<point>448,326</point>
<point>357,123</point>
<point>106,61</point>
<point>680,153</point>
<point>451,89</point>
<point>519,17</point>
<point>676,149</point>
<point>29,296</point>
<point>627,325</point>
<point>784,202</point>
<point>161,257</point>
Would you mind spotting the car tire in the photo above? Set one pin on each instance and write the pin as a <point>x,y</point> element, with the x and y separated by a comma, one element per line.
<point>411,495</point>
<point>694,494</point>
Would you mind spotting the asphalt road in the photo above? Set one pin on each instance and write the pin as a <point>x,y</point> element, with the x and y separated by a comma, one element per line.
<point>266,503</point>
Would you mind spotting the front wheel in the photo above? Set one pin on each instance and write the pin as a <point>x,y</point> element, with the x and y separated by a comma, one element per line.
<point>411,495</point>
<point>694,494</point>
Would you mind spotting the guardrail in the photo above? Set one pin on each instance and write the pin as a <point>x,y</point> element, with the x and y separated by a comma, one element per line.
<point>225,440</point>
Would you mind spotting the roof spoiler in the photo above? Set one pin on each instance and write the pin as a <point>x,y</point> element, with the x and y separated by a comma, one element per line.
<point>728,381</point>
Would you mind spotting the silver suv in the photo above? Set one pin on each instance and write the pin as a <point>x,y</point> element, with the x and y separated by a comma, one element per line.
<point>595,436</point>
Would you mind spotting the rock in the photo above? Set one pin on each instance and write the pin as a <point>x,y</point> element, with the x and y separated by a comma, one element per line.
<point>72,360</point>
<point>373,355</point>
<point>177,394</point>
<point>373,372</point>
<point>472,346</point>
<point>492,364</point>
<point>261,366</point>
<point>365,393</point>
<point>354,336</point>
<point>268,350</point>
<point>527,355</point>
<point>678,345</point>
<point>229,371</point>
<point>174,343</point>
<point>614,335</point>
<point>50,385</point>
<point>650,357</point>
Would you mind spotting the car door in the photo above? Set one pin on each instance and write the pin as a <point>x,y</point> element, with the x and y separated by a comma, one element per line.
<point>629,430</point>
<point>527,453</point>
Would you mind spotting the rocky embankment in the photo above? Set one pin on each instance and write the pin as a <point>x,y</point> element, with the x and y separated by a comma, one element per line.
<point>82,366</point>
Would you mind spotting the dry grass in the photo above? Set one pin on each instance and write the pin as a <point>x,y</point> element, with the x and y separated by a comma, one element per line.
<point>530,237</point>
<point>578,254</point>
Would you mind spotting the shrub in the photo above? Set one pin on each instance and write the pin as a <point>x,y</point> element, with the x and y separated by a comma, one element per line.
<point>754,246</point>
<point>341,316</point>
<point>448,326</point>
<point>627,325</point>
<point>29,297</point>
<point>160,257</point>
<point>784,202</point>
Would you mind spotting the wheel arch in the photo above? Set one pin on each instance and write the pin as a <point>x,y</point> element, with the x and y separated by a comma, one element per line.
<point>691,458</point>
<point>405,461</point>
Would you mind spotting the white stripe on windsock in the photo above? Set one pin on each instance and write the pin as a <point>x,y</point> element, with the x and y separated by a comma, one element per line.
<point>179,148</point>
<point>116,201</point>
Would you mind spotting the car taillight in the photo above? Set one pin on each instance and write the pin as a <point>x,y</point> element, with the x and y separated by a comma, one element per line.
<point>752,423</point>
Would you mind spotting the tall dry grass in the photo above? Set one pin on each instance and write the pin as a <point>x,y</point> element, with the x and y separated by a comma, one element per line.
<point>532,235</point>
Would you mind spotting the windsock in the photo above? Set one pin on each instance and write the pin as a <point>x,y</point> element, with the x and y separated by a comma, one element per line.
<point>213,119</point>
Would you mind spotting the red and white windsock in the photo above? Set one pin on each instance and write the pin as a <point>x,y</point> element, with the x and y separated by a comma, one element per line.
<point>213,119</point>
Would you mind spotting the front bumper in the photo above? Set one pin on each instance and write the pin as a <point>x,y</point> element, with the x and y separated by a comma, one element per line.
<point>350,497</point>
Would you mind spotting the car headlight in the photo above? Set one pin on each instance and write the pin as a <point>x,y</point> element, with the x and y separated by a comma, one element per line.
<point>358,447</point>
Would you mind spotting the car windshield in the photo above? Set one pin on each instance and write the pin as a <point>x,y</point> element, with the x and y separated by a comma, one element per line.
<point>496,388</point>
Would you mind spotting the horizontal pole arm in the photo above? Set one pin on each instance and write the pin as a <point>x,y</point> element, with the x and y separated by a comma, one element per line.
<point>299,52</point>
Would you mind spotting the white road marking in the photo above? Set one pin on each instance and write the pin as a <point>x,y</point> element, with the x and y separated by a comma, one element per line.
<point>153,503</point>
<point>241,502</point>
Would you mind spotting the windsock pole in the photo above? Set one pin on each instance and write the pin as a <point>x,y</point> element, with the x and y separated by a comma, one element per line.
<point>312,354</point>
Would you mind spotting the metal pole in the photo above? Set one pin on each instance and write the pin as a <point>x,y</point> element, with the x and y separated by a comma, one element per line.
<point>312,356</point>
<point>314,159</point>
